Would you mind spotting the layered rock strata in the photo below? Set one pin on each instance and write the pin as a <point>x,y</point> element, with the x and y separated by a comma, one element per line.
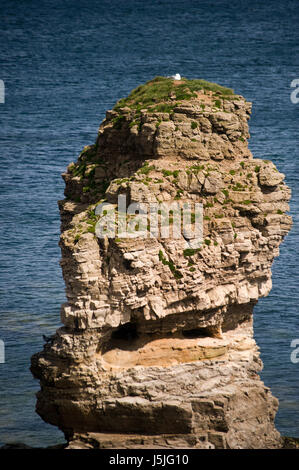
<point>157,346</point>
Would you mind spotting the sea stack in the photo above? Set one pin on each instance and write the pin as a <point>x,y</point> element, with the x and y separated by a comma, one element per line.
<point>157,347</point>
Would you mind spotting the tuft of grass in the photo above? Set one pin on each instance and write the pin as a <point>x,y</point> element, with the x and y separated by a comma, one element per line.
<point>174,173</point>
<point>238,187</point>
<point>163,108</point>
<point>195,169</point>
<point>178,194</point>
<point>190,251</point>
<point>91,229</point>
<point>146,169</point>
<point>194,125</point>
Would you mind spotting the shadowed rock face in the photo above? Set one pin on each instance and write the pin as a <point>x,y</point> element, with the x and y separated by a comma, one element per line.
<point>157,346</point>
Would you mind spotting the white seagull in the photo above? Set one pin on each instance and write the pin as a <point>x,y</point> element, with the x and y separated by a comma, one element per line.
<point>176,76</point>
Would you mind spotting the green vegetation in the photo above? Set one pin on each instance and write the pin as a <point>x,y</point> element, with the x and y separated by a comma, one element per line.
<point>79,170</point>
<point>122,180</point>
<point>238,187</point>
<point>118,122</point>
<point>194,125</point>
<point>246,202</point>
<point>190,251</point>
<point>146,169</point>
<point>195,169</point>
<point>85,169</point>
<point>178,194</point>
<point>163,108</point>
<point>166,173</point>
<point>174,173</point>
<point>227,201</point>
<point>155,94</point>
<point>176,273</point>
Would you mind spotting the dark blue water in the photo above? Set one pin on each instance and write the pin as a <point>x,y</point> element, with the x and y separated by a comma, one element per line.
<point>65,63</point>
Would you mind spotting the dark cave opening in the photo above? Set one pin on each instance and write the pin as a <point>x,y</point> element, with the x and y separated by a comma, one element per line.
<point>127,331</point>
<point>196,333</point>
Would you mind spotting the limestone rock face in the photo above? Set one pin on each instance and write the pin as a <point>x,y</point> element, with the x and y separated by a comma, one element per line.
<point>157,346</point>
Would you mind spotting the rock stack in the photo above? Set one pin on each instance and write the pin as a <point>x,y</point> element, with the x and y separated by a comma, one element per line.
<point>157,347</point>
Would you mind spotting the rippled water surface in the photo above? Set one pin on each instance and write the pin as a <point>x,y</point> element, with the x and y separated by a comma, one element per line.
<point>65,63</point>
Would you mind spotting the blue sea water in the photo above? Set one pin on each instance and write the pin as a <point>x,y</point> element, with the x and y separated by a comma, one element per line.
<point>64,64</point>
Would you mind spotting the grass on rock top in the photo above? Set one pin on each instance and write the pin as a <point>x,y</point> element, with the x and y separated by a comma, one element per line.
<point>156,92</point>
